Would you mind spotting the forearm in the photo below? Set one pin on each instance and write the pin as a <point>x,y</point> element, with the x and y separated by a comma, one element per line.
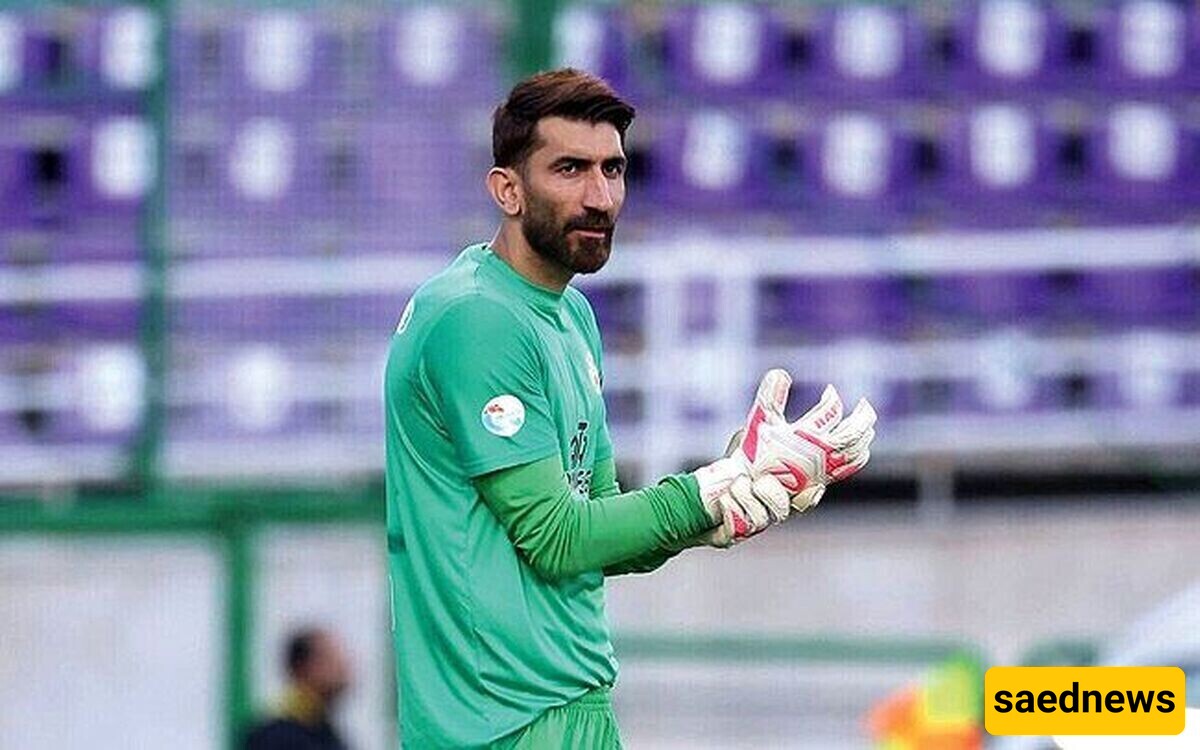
<point>650,561</point>
<point>561,537</point>
<point>604,485</point>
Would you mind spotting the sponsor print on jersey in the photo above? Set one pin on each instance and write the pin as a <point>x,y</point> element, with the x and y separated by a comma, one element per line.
<point>503,415</point>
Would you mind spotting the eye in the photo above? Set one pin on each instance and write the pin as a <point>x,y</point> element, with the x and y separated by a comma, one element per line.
<point>614,169</point>
<point>569,168</point>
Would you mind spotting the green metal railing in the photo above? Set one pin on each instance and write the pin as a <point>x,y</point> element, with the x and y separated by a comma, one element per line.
<point>143,469</point>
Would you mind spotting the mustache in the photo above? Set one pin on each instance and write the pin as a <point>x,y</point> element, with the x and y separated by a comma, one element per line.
<point>593,224</point>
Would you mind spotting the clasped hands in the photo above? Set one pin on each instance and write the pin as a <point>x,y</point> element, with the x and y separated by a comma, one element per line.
<point>774,467</point>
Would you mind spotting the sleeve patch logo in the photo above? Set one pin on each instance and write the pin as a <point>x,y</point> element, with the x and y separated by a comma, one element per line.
<point>504,415</point>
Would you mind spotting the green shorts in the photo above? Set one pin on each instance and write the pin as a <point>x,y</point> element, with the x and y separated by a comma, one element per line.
<point>586,723</point>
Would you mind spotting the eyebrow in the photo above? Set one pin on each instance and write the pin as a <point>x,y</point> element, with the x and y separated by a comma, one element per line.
<point>564,160</point>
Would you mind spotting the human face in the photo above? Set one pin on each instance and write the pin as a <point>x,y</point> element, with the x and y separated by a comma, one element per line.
<point>329,670</point>
<point>574,188</point>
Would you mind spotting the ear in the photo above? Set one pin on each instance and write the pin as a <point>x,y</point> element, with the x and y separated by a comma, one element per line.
<point>505,187</point>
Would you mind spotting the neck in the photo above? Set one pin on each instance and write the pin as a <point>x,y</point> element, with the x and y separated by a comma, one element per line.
<point>510,244</point>
<point>303,704</point>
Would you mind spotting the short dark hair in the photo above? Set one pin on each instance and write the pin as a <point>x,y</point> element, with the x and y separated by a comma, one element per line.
<point>566,92</point>
<point>300,647</point>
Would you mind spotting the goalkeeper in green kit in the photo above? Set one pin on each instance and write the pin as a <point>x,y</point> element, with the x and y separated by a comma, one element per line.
<point>503,512</point>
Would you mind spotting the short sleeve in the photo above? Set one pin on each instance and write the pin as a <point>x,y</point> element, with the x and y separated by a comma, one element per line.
<point>591,334</point>
<point>485,370</point>
<point>604,446</point>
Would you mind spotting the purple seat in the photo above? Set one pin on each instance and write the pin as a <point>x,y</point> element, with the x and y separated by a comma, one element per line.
<point>986,300</point>
<point>12,432</point>
<point>1150,45</point>
<point>1143,160</point>
<point>867,49</point>
<point>937,396</point>
<point>249,390</point>
<point>1127,297</point>
<point>123,55</point>
<point>999,157</point>
<point>12,58</point>
<point>119,167</point>
<point>1150,373</point>
<point>25,247</point>
<point>198,163</point>
<point>596,40</point>
<point>425,184</point>
<point>103,389</point>
<point>440,53</point>
<point>862,170</point>
<point>68,427</point>
<point>204,54</point>
<point>1078,390</point>
<point>120,244</point>
<point>789,145</point>
<point>1189,389</point>
<point>711,159</point>
<point>93,321</point>
<point>19,325</point>
<point>12,177</point>
<point>35,247</point>
<point>47,163</point>
<point>890,398</point>
<point>259,169</point>
<point>96,49</point>
<point>345,57</point>
<point>620,314</point>
<point>1007,46</point>
<point>1075,55</point>
<point>931,163</point>
<point>54,50</point>
<point>1072,182</point>
<point>282,57</point>
<point>724,49</point>
<point>71,323</point>
<point>794,311</point>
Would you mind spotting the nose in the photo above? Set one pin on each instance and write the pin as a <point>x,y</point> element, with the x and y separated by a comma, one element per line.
<point>598,195</point>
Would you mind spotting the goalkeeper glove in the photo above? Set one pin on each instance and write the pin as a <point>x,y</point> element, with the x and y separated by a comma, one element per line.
<point>744,496</point>
<point>818,448</point>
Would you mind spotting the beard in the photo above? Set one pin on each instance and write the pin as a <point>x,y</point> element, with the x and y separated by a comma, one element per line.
<point>555,241</point>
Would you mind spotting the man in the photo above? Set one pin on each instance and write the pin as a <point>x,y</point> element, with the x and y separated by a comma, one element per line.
<point>318,675</point>
<point>504,514</point>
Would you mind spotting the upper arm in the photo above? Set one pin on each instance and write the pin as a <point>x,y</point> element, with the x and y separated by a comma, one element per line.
<point>485,372</point>
<point>604,479</point>
<point>591,334</point>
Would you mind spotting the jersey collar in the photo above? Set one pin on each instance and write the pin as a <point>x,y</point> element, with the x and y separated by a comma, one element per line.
<point>504,274</point>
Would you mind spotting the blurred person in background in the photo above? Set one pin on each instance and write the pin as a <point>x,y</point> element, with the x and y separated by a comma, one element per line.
<point>318,675</point>
<point>504,512</point>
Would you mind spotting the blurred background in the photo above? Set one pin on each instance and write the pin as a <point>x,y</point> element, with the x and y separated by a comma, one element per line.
<point>983,215</point>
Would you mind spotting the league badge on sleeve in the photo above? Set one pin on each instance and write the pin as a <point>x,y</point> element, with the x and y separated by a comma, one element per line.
<point>504,415</point>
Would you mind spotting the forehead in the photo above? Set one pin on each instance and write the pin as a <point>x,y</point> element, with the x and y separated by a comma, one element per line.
<point>558,136</point>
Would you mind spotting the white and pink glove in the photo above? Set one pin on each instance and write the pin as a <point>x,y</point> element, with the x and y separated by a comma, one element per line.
<point>773,467</point>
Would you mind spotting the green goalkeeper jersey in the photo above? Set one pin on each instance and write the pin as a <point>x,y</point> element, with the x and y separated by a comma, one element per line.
<point>488,371</point>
